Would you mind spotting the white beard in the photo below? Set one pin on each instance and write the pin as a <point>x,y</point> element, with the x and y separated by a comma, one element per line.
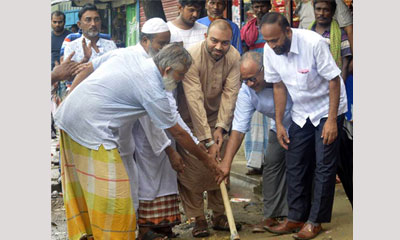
<point>169,83</point>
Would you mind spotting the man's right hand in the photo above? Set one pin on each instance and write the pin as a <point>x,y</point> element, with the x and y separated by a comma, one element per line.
<point>282,136</point>
<point>213,152</point>
<point>64,70</point>
<point>212,165</point>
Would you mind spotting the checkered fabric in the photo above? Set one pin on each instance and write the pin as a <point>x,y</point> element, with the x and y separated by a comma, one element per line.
<point>161,212</point>
<point>97,196</point>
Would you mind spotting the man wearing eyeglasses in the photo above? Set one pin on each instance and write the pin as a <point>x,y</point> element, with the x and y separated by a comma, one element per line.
<point>257,95</point>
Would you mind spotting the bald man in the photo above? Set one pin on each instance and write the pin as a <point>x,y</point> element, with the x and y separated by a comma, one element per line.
<point>206,101</point>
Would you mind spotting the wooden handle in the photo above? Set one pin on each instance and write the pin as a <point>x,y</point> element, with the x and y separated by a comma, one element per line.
<point>228,210</point>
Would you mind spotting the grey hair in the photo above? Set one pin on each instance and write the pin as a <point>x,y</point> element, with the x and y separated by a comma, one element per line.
<point>173,55</point>
<point>255,56</point>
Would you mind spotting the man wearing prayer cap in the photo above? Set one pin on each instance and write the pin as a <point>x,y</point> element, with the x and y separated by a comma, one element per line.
<point>153,172</point>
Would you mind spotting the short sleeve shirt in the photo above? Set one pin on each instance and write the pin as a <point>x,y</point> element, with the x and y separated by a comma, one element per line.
<point>108,101</point>
<point>306,71</point>
<point>188,37</point>
<point>76,45</point>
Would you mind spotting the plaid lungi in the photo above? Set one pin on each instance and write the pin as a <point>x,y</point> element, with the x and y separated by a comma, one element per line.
<point>160,212</point>
<point>256,140</point>
<point>97,196</point>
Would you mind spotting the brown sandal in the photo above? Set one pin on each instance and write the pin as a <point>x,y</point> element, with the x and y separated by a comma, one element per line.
<point>200,229</point>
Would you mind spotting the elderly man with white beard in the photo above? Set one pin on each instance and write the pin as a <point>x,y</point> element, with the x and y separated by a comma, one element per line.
<point>96,122</point>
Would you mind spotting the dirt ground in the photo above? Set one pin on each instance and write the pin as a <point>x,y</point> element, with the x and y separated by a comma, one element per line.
<point>246,213</point>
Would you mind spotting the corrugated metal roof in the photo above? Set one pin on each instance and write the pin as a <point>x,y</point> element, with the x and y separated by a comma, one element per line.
<point>102,4</point>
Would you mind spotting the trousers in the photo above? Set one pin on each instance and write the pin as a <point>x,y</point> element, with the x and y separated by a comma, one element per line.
<point>302,174</point>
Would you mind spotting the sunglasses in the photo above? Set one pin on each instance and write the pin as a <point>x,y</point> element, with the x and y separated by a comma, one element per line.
<point>254,78</point>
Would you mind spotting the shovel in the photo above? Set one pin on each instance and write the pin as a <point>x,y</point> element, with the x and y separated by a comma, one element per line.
<point>228,210</point>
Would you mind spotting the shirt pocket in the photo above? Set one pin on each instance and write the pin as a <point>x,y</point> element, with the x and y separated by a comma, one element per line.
<point>307,78</point>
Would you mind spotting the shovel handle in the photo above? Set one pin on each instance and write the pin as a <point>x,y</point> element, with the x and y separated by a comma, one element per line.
<point>228,210</point>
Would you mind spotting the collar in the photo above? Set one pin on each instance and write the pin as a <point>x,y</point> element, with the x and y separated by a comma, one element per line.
<point>294,47</point>
<point>98,43</point>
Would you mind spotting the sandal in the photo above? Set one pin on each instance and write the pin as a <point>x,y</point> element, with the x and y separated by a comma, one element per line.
<point>167,231</point>
<point>200,229</point>
<point>150,235</point>
<point>220,223</point>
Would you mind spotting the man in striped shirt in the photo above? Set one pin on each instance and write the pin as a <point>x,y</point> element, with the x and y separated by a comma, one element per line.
<point>299,62</point>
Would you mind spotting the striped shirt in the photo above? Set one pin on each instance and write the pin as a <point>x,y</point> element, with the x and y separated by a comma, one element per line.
<point>306,71</point>
<point>345,49</point>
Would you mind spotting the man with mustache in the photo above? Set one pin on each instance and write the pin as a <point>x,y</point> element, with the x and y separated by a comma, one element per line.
<point>90,24</point>
<point>57,35</point>
<point>215,10</point>
<point>299,62</point>
<point>339,45</point>
<point>185,28</point>
<point>206,101</point>
<point>256,95</point>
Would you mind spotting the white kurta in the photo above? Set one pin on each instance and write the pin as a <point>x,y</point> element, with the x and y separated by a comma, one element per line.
<point>154,174</point>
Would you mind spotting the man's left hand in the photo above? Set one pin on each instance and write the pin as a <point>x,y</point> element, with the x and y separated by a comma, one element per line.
<point>329,132</point>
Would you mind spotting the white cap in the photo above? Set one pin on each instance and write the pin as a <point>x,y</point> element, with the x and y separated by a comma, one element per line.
<point>155,25</point>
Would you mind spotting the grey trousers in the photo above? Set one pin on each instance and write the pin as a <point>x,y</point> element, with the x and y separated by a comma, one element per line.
<point>274,179</point>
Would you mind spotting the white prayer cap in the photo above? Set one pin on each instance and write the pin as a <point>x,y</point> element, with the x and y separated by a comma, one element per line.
<point>155,25</point>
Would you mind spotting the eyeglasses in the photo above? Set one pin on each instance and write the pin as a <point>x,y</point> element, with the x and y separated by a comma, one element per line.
<point>254,78</point>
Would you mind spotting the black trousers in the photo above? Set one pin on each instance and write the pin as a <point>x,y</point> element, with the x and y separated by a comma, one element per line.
<point>302,173</point>
<point>345,164</point>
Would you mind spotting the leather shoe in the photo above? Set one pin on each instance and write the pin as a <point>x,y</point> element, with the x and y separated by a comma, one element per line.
<point>308,231</point>
<point>286,227</point>
<point>265,224</point>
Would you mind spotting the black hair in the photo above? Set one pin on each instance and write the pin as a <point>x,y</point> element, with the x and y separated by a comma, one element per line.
<point>87,7</point>
<point>222,24</point>
<point>75,26</point>
<point>273,17</point>
<point>195,3</point>
<point>330,2</point>
<point>268,2</point>
<point>58,13</point>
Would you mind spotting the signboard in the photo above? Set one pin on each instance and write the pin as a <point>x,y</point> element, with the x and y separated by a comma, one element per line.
<point>132,24</point>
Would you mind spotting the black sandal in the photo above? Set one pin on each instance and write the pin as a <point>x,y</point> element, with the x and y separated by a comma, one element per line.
<point>150,235</point>
<point>200,229</point>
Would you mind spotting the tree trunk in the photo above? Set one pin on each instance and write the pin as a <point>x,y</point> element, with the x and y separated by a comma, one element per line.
<point>153,8</point>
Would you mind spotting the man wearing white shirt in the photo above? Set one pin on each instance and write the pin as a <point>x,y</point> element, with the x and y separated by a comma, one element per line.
<point>299,62</point>
<point>96,120</point>
<point>184,28</point>
<point>155,155</point>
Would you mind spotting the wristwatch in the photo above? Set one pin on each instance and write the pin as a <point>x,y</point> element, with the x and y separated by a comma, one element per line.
<point>210,143</point>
